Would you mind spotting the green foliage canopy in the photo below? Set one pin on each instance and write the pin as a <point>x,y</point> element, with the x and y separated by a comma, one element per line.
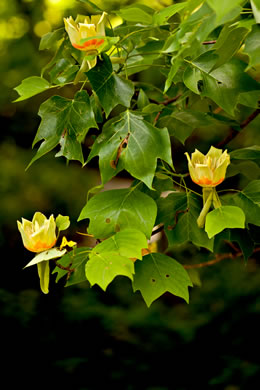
<point>201,60</point>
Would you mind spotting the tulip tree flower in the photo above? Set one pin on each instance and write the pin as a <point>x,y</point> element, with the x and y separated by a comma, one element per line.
<point>38,235</point>
<point>208,171</point>
<point>88,36</point>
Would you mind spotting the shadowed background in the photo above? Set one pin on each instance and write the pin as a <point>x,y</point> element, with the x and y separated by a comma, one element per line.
<point>80,337</point>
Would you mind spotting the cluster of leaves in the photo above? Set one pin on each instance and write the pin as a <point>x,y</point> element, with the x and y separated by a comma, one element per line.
<point>206,55</point>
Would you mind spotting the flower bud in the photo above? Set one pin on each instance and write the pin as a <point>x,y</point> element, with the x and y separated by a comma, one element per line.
<point>38,235</point>
<point>208,170</point>
<point>80,34</point>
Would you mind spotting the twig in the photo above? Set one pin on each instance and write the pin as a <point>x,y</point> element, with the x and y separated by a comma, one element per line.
<point>209,42</point>
<point>165,103</point>
<point>233,133</point>
<point>217,259</point>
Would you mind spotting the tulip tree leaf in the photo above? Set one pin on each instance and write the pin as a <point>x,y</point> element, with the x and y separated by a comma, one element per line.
<point>136,13</point>
<point>252,46</point>
<point>102,268</point>
<point>127,243</point>
<point>224,217</point>
<point>181,222</point>
<point>64,122</point>
<point>249,201</point>
<point>162,16</point>
<point>110,88</point>
<point>255,4</point>
<point>50,39</point>
<point>157,274</point>
<point>223,7</point>
<point>62,222</point>
<point>181,124</point>
<point>223,85</point>
<point>53,253</point>
<point>249,153</point>
<point>228,44</point>
<point>30,87</point>
<point>128,142</point>
<point>243,239</point>
<point>44,275</point>
<point>114,210</point>
<point>75,260</point>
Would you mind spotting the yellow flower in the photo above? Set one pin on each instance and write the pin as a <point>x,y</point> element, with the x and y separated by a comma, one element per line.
<point>208,170</point>
<point>38,235</point>
<point>80,34</point>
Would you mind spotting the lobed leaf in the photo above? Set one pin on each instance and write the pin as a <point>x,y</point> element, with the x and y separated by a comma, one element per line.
<point>224,217</point>
<point>64,122</point>
<point>102,268</point>
<point>158,274</point>
<point>179,213</point>
<point>31,87</point>
<point>128,142</point>
<point>109,87</point>
<point>115,210</point>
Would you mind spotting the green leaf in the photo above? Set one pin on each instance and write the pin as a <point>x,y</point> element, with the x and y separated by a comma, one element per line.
<point>223,85</point>
<point>252,46</point>
<point>62,222</point>
<point>228,43</point>
<point>179,213</point>
<point>136,13</point>
<point>128,142</point>
<point>64,122</point>
<point>127,243</point>
<point>115,210</point>
<point>50,254</point>
<point>247,168</point>
<point>44,275</point>
<point>252,191</point>
<point>30,87</point>
<point>249,153</point>
<point>245,242</point>
<point>181,124</point>
<point>92,5</point>
<point>255,4</point>
<point>222,218</point>
<point>157,274</point>
<point>223,7</point>
<point>51,38</point>
<point>249,201</point>
<point>102,268</point>
<point>110,88</point>
<point>63,72</point>
<point>142,100</point>
<point>76,260</point>
<point>161,17</point>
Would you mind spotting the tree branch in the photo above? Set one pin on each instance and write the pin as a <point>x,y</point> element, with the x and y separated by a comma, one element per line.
<point>217,259</point>
<point>233,133</point>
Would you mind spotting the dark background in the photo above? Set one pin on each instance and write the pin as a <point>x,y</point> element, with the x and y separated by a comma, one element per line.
<point>79,337</point>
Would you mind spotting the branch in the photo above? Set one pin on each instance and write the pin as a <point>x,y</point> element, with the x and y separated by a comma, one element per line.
<point>209,42</point>
<point>165,103</point>
<point>217,259</point>
<point>233,133</point>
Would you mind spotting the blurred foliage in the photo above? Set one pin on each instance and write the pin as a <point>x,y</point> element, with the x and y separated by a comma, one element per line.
<point>78,338</point>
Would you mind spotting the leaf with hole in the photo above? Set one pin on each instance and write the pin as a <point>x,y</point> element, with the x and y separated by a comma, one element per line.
<point>115,210</point>
<point>129,142</point>
<point>157,274</point>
